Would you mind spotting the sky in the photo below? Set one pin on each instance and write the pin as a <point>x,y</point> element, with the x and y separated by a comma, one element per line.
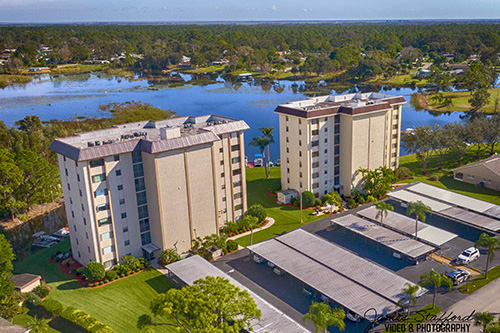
<point>73,11</point>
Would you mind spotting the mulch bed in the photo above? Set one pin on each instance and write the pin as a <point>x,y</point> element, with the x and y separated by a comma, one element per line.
<point>67,269</point>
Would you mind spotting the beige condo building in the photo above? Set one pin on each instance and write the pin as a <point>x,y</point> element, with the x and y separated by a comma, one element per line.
<point>324,140</point>
<point>142,187</point>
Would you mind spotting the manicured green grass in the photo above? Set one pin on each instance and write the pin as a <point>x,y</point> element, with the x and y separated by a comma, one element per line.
<point>208,69</point>
<point>400,80</point>
<point>480,281</point>
<point>286,217</point>
<point>417,318</point>
<point>117,304</point>
<point>446,177</point>
<point>460,101</point>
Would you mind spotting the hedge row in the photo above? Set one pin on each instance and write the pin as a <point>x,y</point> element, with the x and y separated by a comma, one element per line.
<point>85,321</point>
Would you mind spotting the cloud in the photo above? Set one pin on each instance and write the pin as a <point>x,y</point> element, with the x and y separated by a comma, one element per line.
<point>274,8</point>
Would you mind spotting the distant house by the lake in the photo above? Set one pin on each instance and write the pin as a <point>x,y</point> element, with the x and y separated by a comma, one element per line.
<point>484,173</point>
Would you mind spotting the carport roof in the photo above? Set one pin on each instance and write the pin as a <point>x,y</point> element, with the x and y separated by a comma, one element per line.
<point>406,225</point>
<point>407,196</point>
<point>472,218</point>
<point>451,197</point>
<point>394,240</point>
<point>324,279</point>
<point>272,319</point>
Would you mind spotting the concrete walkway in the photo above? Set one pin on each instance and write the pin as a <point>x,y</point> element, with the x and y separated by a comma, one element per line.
<point>270,222</point>
<point>482,300</point>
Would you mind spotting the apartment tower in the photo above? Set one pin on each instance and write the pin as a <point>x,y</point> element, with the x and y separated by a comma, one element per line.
<point>142,187</point>
<point>325,140</point>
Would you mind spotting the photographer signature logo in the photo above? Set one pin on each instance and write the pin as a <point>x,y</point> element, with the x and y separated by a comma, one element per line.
<point>422,320</point>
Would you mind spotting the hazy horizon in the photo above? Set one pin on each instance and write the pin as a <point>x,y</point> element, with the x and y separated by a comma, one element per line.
<point>228,11</point>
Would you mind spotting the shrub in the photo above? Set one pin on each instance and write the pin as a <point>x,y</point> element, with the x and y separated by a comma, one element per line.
<point>360,199</point>
<point>371,198</point>
<point>122,275</point>
<point>111,275</point>
<point>32,298</point>
<point>317,202</point>
<point>101,283</point>
<point>231,246</point>
<point>333,198</point>
<point>127,273</point>
<point>94,271</point>
<point>42,291</point>
<point>106,281</point>
<point>351,204</point>
<point>130,263</point>
<point>205,253</point>
<point>168,256</point>
<point>293,201</point>
<point>85,321</point>
<point>403,173</point>
<point>296,203</point>
<point>307,199</point>
<point>258,211</point>
<point>144,263</point>
<point>53,306</point>
<point>434,178</point>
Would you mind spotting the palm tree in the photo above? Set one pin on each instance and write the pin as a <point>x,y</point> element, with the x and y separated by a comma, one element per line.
<point>267,132</point>
<point>38,325</point>
<point>483,319</point>
<point>252,223</point>
<point>322,316</point>
<point>383,208</point>
<point>410,292</point>
<point>436,280</point>
<point>419,209</point>
<point>490,243</point>
<point>261,142</point>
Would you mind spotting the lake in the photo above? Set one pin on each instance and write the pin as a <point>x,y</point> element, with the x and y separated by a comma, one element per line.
<point>67,97</point>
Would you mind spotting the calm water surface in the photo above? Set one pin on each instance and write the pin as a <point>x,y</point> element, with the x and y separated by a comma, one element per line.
<point>64,97</point>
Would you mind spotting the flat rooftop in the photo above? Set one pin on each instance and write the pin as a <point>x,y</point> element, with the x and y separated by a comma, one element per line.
<point>272,320</point>
<point>148,136</point>
<point>406,225</point>
<point>344,277</point>
<point>332,104</point>
<point>412,248</point>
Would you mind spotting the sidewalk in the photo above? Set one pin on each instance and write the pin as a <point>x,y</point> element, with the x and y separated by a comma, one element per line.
<point>270,222</point>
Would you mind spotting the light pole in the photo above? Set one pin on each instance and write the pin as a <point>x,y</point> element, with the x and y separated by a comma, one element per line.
<point>300,194</point>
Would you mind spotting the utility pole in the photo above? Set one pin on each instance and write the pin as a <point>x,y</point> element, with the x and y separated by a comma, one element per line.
<point>300,206</point>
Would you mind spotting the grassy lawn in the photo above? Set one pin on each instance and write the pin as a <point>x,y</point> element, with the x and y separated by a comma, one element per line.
<point>286,217</point>
<point>208,69</point>
<point>417,317</point>
<point>445,178</point>
<point>480,281</point>
<point>7,79</point>
<point>460,101</point>
<point>117,304</point>
<point>399,80</point>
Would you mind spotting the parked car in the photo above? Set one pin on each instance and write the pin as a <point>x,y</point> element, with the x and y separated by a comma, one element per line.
<point>278,271</point>
<point>468,255</point>
<point>307,291</point>
<point>353,316</point>
<point>325,298</point>
<point>404,205</point>
<point>458,276</point>
<point>270,264</point>
<point>258,259</point>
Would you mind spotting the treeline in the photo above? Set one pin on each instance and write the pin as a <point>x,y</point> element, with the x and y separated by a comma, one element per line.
<point>246,46</point>
<point>28,169</point>
<point>453,139</point>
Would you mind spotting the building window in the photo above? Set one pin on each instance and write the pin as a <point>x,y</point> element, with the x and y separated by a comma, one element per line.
<point>326,140</point>
<point>237,184</point>
<point>106,235</point>
<point>337,150</point>
<point>88,247</point>
<point>326,151</point>
<point>336,139</point>
<point>104,221</point>
<point>336,160</point>
<point>136,157</point>
<point>80,193</point>
<point>84,221</point>
<point>127,242</point>
<point>300,164</point>
<point>326,172</point>
<point>144,225</point>
<point>459,175</point>
<point>234,135</point>
<point>300,131</point>
<point>143,212</point>
<point>315,154</point>
<point>100,192</point>
<point>336,181</point>
<point>74,227</point>
<point>77,177</point>
<point>396,117</point>
<point>146,238</point>
<point>120,187</point>
<point>394,136</point>
<point>337,119</point>
<point>300,174</point>
<point>83,208</point>
<point>300,184</point>
<point>123,215</point>
<point>314,132</point>
<point>110,263</point>
<point>141,198</point>
<point>394,145</point>
<point>287,128</point>
<point>108,250</point>
<point>77,242</point>
<point>118,172</point>
<point>287,150</point>
<point>287,160</point>
<point>236,172</point>
<point>315,143</point>
<point>222,175</point>
<point>393,164</point>
<point>140,185</point>
<point>223,199</point>
<point>300,121</point>
<point>326,129</point>
<point>79,256</point>
<point>394,126</point>
<point>337,128</point>
<point>300,153</point>
<point>69,187</point>
<point>70,200</point>
<point>98,178</point>
<point>72,214</point>
<point>223,186</point>
<point>235,160</point>
<point>237,196</point>
<point>315,121</point>
<point>287,170</point>
<point>287,140</point>
<point>288,180</point>
<point>394,154</point>
<point>470,176</point>
<point>286,117</point>
<point>117,157</point>
<point>122,201</point>
<point>66,171</point>
<point>300,142</point>
<point>315,175</point>
<point>222,162</point>
<point>326,161</point>
<point>102,207</point>
<point>316,185</point>
<point>138,170</point>
<point>315,165</point>
<point>96,163</point>
<point>235,147</point>
<point>125,229</point>
<point>238,207</point>
<point>337,170</point>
